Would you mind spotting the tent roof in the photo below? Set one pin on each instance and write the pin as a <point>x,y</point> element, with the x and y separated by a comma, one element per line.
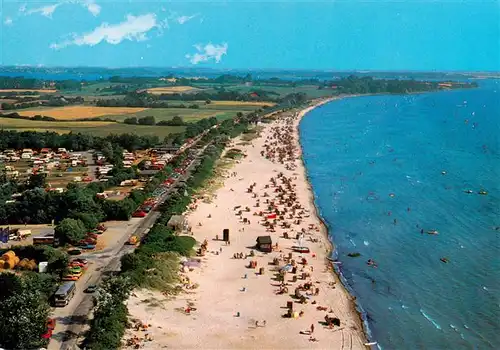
<point>176,220</point>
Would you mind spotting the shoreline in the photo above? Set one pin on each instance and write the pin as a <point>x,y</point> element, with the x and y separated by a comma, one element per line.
<point>240,307</point>
<point>332,250</point>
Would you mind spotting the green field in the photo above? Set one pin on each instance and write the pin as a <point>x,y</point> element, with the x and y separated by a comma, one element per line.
<point>189,114</point>
<point>94,128</point>
<point>311,90</point>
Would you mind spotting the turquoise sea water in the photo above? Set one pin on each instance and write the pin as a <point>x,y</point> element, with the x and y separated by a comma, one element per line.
<point>385,167</point>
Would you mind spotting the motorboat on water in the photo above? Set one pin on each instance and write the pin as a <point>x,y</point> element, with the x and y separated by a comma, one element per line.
<point>433,232</point>
<point>483,192</point>
<point>445,260</point>
<point>468,191</point>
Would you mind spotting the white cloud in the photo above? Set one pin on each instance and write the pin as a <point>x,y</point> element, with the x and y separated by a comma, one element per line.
<point>184,19</point>
<point>8,21</point>
<point>46,11</point>
<point>208,52</point>
<point>92,7</point>
<point>134,28</point>
<point>49,10</point>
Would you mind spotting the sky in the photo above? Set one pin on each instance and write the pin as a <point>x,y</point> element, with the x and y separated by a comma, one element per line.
<point>422,35</point>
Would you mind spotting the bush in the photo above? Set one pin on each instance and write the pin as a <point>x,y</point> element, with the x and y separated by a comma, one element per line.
<point>132,120</point>
<point>70,231</point>
<point>149,120</point>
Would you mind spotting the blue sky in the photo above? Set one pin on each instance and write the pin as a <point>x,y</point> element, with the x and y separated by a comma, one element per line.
<point>339,35</point>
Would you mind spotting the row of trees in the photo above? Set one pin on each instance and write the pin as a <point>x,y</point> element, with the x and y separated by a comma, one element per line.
<point>150,120</point>
<point>16,115</point>
<point>72,141</point>
<point>44,100</point>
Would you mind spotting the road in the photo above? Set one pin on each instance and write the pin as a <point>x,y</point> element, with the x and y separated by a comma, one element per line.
<point>72,320</point>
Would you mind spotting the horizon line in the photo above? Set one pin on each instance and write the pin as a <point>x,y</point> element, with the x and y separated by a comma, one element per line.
<point>325,70</point>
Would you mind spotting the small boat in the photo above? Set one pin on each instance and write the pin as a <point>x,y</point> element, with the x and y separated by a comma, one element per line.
<point>468,191</point>
<point>483,192</point>
<point>445,260</point>
<point>300,249</point>
<point>433,232</point>
<point>371,344</point>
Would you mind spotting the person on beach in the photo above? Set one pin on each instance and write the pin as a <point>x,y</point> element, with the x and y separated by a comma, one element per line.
<point>312,328</point>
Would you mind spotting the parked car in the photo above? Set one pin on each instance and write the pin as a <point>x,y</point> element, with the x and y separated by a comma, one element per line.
<point>139,214</point>
<point>80,260</point>
<point>91,289</point>
<point>74,252</point>
<point>87,246</point>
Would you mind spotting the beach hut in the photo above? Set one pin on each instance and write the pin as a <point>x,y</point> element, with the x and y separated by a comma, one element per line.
<point>225,235</point>
<point>264,244</point>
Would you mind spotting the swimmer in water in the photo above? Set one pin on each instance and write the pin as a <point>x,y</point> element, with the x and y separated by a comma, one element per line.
<point>395,221</point>
<point>422,231</point>
<point>408,209</point>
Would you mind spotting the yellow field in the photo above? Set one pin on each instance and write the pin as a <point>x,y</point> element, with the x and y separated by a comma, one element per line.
<point>171,89</point>
<point>79,112</point>
<point>47,91</point>
<point>241,103</point>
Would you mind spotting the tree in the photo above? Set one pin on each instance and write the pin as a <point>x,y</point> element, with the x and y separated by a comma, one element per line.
<point>132,120</point>
<point>37,180</point>
<point>57,260</point>
<point>23,320</point>
<point>9,285</point>
<point>89,220</point>
<point>110,314</point>
<point>149,120</point>
<point>70,231</point>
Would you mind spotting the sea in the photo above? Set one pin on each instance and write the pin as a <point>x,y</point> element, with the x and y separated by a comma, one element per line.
<point>397,179</point>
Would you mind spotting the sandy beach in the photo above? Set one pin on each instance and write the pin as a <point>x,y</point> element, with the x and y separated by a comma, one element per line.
<point>241,300</point>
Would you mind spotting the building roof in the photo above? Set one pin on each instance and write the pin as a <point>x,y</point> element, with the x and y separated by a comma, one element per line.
<point>264,240</point>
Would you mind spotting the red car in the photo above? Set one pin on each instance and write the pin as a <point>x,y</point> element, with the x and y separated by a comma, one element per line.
<point>139,214</point>
<point>92,235</point>
<point>80,260</point>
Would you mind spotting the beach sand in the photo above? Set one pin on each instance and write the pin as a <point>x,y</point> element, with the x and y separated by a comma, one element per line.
<point>227,287</point>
